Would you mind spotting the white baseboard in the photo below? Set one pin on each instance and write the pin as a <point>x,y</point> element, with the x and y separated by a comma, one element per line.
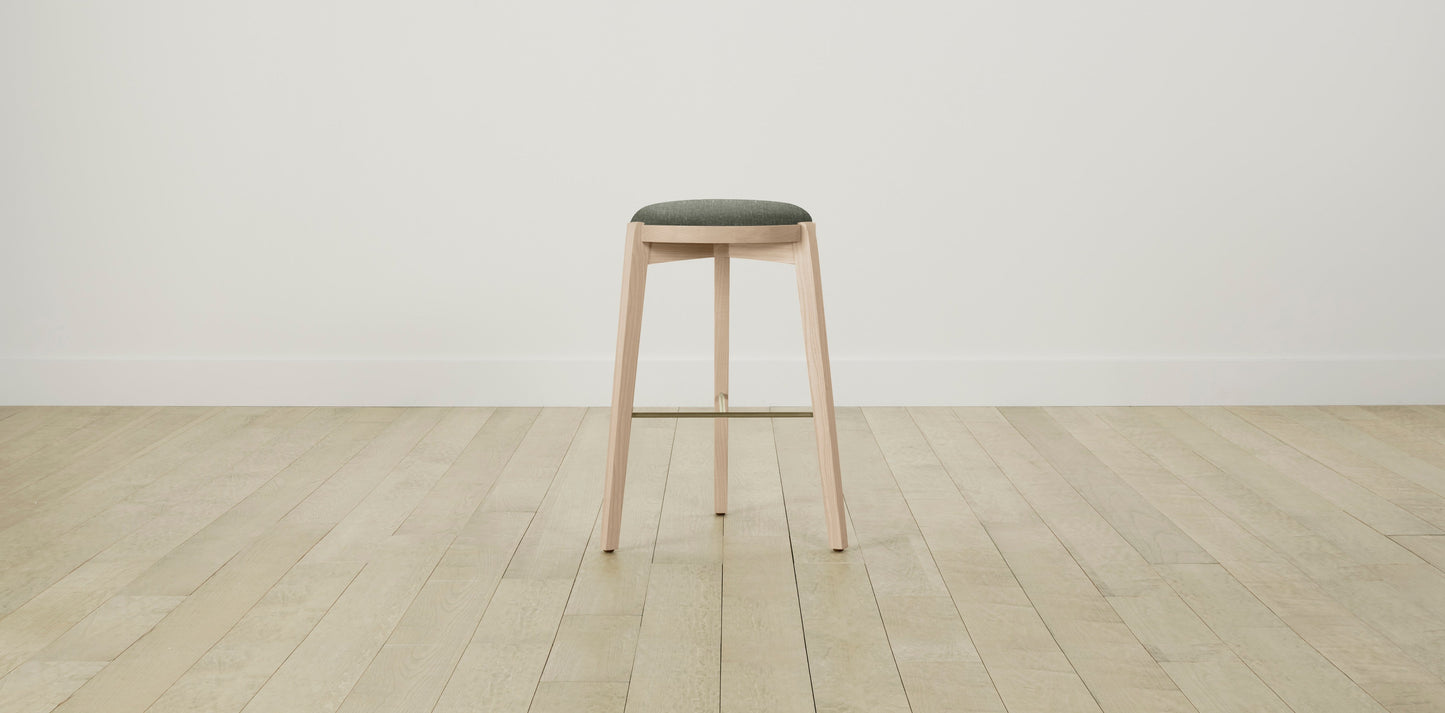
<point>757,382</point>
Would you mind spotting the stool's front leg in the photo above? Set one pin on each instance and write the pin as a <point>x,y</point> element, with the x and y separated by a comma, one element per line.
<point>624,383</point>
<point>820,381</point>
<point>720,377</point>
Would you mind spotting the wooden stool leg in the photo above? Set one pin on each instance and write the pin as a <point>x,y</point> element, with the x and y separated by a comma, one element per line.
<point>820,381</point>
<point>624,382</point>
<point>720,378</point>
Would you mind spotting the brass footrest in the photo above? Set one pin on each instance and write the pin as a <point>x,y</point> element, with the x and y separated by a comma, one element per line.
<point>711,413</point>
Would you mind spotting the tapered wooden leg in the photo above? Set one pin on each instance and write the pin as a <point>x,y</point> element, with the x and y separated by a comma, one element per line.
<point>720,378</point>
<point>624,382</point>
<point>820,382</point>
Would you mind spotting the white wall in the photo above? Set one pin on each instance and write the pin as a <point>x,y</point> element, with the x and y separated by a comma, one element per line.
<point>1038,202</point>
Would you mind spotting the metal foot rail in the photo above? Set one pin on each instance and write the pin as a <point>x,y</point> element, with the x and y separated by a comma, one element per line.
<point>722,411</point>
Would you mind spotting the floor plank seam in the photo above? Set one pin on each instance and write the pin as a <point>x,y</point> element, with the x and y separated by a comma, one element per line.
<point>793,557</point>
<point>532,521</point>
<point>299,641</point>
<point>987,671</point>
<point>1073,666</point>
<point>118,589</point>
<point>1224,566</point>
<point>1105,559</point>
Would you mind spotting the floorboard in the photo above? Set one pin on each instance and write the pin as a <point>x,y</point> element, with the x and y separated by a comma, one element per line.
<point>1106,560</point>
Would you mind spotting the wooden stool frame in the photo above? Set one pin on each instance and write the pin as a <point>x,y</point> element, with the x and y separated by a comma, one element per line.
<point>794,244</point>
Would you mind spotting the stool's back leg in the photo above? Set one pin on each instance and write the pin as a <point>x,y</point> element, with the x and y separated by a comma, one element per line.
<point>624,383</point>
<point>720,377</point>
<point>820,382</point>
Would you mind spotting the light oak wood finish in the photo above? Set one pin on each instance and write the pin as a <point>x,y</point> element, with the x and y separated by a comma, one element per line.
<point>616,583</point>
<point>766,252</point>
<point>60,534</point>
<point>40,481</point>
<point>39,686</point>
<point>579,697</point>
<point>1316,588</point>
<point>132,540</point>
<point>449,560</point>
<point>624,383</point>
<point>649,244</point>
<point>721,296</point>
<point>675,252</point>
<point>33,431</point>
<point>712,235</point>
<point>820,382</point>
<point>764,664</point>
<point>678,655</point>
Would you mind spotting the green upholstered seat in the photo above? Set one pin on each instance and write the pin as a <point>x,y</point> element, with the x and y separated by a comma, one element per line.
<point>720,211</point>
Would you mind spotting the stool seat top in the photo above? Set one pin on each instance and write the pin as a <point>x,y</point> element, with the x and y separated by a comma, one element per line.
<point>721,212</point>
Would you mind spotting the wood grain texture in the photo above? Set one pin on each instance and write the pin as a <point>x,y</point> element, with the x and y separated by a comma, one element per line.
<point>820,382</point>
<point>133,540</point>
<point>678,655</point>
<point>649,244</point>
<point>57,538</point>
<point>624,383</point>
<point>39,686</point>
<point>1358,499</point>
<point>579,697</point>
<point>1015,559</point>
<point>147,668</point>
<point>230,673</point>
<point>674,252</point>
<point>766,252</point>
<point>34,429</point>
<point>721,296</point>
<point>616,582</point>
<point>717,234</point>
<point>1120,673</point>
<point>764,659</point>
<point>1025,662</point>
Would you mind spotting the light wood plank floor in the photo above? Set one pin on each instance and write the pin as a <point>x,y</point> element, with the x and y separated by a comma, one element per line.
<point>1011,559</point>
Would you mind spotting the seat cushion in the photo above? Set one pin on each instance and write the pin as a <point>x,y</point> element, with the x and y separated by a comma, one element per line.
<point>721,211</point>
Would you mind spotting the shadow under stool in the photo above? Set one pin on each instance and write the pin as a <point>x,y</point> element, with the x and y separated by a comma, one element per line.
<point>721,230</point>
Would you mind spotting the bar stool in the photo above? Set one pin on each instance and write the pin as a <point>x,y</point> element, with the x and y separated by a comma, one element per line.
<point>721,230</point>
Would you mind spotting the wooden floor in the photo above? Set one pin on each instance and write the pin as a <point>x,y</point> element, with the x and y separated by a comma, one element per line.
<point>1020,559</point>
